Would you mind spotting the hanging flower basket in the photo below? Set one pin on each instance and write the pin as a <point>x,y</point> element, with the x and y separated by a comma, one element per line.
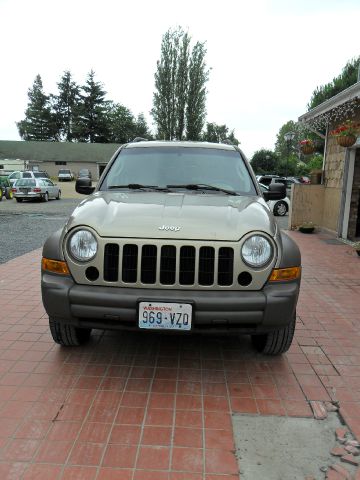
<point>307,146</point>
<point>307,149</point>
<point>346,140</point>
<point>346,133</point>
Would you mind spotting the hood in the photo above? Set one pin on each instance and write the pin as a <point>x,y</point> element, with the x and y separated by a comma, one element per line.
<point>191,216</point>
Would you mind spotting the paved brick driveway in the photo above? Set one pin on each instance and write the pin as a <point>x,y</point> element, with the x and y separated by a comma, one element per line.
<point>140,407</point>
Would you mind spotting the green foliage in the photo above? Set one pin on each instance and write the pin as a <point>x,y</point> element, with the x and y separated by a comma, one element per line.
<point>121,123</point>
<point>315,163</point>
<point>180,94</point>
<point>91,120</point>
<point>39,122</point>
<point>196,101</point>
<point>347,77</point>
<point>141,128</point>
<point>218,133</point>
<point>264,162</point>
<point>64,106</point>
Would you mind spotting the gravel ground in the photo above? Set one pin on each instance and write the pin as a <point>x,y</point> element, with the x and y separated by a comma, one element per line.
<point>25,226</point>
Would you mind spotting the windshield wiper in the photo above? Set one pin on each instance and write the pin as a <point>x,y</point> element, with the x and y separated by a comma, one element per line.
<point>138,186</point>
<point>203,186</point>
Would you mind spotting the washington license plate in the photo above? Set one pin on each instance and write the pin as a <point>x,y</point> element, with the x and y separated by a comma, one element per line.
<point>165,316</point>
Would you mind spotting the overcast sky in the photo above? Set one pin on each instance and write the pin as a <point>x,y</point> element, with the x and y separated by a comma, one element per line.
<point>266,56</point>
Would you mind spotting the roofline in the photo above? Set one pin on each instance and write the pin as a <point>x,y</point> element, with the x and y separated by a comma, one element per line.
<point>346,95</point>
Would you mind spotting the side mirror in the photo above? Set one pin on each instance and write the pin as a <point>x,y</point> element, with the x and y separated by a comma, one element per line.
<point>277,191</point>
<point>83,185</point>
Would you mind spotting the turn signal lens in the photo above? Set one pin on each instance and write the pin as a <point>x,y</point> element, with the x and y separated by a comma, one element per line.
<point>284,274</point>
<point>54,266</point>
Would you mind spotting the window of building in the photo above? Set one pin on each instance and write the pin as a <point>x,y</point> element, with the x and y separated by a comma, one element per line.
<point>60,163</point>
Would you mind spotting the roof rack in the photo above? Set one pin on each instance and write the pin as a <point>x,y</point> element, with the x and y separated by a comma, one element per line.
<point>139,139</point>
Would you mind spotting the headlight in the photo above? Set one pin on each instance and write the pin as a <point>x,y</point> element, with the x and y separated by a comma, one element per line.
<point>256,251</point>
<point>82,245</point>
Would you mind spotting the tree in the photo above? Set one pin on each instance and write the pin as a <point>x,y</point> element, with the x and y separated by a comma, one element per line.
<point>179,98</point>
<point>64,105</point>
<point>39,123</point>
<point>196,100</point>
<point>282,148</point>
<point>141,128</point>
<point>121,123</point>
<point>347,77</point>
<point>218,133</point>
<point>91,113</point>
<point>264,161</point>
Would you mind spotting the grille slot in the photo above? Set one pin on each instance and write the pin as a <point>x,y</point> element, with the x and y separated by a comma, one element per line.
<point>129,263</point>
<point>111,262</point>
<point>187,265</point>
<point>206,265</point>
<point>225,266</point>
<point>168,265</point>
<point>148,264</point>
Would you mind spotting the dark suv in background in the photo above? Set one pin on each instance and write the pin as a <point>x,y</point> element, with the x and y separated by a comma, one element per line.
<point>5,188</point>
<point>84,173</point>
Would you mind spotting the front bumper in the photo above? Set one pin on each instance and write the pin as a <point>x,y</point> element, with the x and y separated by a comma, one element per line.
<point>262,311</point>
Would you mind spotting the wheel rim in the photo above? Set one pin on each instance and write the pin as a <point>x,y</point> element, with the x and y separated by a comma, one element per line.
<point>281,209</point>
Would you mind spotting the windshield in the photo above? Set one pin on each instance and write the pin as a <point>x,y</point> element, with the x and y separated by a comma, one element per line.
<point>26,182</point>
<point>179,166</point>
<point>64,171</point>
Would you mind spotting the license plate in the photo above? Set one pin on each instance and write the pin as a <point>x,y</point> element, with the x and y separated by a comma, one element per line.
<point>165,316</point>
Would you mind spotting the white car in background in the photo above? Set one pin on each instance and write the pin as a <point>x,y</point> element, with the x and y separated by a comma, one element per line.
<point>65,175</point>
<point>278,207</point>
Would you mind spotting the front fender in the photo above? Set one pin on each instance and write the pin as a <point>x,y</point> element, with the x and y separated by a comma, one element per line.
<point>52,247</point>
<point>291,256</point>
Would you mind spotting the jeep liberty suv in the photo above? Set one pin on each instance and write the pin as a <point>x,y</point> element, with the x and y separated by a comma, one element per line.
<point>176,236</point>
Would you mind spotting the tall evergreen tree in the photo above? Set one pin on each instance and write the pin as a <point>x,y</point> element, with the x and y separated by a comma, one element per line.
<point>39,123</point>
<point>347,77</point>
<point>180,93</point>
<point>196,100</point>
<point>91,114</point>
<point>121,124</point>
<point>218,133</point>
<point>65,104</point>
<point>141,127</point>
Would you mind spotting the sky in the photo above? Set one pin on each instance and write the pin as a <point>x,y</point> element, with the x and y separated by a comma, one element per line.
<point>266,56</point>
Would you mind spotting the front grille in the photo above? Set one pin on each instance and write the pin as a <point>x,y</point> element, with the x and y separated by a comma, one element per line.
<point>169,265</point>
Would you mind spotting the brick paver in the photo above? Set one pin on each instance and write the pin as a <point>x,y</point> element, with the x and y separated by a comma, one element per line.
<point>141,406</point>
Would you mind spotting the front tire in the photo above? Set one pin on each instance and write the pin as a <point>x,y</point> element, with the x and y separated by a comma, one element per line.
<point>280,209</point>
<point>275,342</point>
<point>68,335</point>
<point>58,195</point>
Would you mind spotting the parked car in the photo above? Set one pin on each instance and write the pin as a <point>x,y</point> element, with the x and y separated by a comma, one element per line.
<point>65,175</point>
<point>84,173</point>
<point>36,188</point>
<point>5,188</point>
<point>17,174</point>
<point>278,207</point>
<point>177,237</point>
<point>266,179</point>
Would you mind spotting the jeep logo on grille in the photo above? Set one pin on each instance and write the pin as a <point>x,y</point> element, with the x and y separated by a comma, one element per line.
<point>171,228</point>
